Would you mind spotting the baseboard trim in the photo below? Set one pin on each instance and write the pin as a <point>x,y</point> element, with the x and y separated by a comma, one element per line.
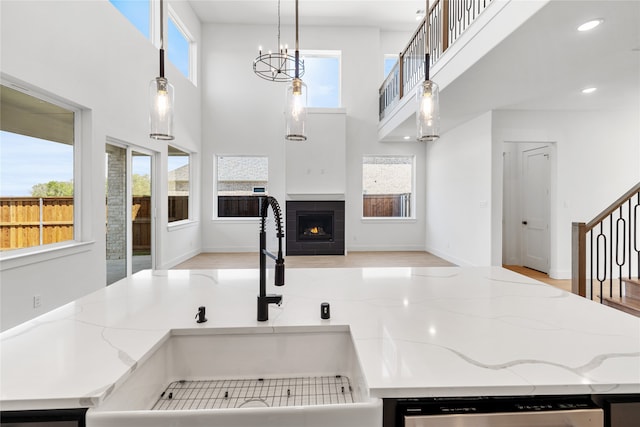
<point>172,263</point>
<point>448,257</point>
<point>385,248</point>
<point>559,274</point>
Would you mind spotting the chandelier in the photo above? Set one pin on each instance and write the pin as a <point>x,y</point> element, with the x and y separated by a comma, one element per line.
<point>279,66</point>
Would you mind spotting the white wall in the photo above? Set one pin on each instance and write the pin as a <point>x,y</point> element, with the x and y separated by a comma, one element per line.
<point>595,163</point>
<point>88,54</point>
<point>459,193</point>
<point>243,114</point>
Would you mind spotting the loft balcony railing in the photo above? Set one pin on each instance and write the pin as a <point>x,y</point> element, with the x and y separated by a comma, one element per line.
<point>605,251</point>
<point>448,19</point>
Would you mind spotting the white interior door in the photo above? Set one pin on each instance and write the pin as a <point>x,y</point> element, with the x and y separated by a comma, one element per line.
<point>535,212</point>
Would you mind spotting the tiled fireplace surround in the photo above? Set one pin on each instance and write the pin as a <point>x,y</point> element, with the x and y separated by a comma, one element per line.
<point>315,227</point>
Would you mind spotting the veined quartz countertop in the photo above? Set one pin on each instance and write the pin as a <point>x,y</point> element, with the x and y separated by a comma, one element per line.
<point>419,332</point>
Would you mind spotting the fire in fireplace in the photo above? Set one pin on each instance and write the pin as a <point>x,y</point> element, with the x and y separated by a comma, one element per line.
<point>315,225</point>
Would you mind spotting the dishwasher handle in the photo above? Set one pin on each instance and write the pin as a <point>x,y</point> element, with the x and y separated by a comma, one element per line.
<point>569,418</point>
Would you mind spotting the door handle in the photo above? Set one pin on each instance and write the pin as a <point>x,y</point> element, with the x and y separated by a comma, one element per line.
<point>524,222</point>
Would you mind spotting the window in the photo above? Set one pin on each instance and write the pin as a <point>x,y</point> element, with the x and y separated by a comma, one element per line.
<point>390,61</point>
<point>387,186</point>
<point>240,182</point>
<point>179,184</point>
<point>138,12</point>
<point>179,45</point>
<point>322,77</point>
<point>37,147</point>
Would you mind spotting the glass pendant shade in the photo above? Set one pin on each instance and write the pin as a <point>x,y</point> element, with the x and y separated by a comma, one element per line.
<point>296,111</point>
<point>428,114</point>
<point>161,109</point>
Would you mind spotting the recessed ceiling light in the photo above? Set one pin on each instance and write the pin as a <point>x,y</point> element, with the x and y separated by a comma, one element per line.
<point>589,90</point>
<point>419,14</point>
<point>407,137</point>
<point>590,25</point>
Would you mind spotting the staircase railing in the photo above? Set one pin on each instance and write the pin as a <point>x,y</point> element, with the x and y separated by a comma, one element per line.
<point>448,19</point>
<point>607,248</point>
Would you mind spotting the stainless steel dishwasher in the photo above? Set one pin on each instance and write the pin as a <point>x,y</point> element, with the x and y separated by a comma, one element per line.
<point>500,412</point>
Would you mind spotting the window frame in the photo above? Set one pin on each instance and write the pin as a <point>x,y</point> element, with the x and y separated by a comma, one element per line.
<point>81,241</point>
<point>324,54</point>
<point>192,52</point>
<point>241,219</point>
<point>413,201</point>
<point>190,204</point>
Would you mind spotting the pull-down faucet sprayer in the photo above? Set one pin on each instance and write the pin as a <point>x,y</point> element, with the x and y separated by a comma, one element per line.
<point>263,299</point>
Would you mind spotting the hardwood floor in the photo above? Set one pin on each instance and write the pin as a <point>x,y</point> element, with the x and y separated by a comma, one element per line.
<point>542,277</point>
<point>352,259</point>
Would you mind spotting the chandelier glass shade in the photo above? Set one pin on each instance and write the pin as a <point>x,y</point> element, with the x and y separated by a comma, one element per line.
<point>428,114</point>
<point>296,111</point>
<point>428,98</point>
<point>296,105</point>
<point>161,97</point>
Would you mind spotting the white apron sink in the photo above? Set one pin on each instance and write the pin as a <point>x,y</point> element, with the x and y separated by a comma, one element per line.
<point>284,378</point>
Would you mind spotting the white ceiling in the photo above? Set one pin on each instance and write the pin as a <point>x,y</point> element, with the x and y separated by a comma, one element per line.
<point>394,15</point>
<point>544,64</point>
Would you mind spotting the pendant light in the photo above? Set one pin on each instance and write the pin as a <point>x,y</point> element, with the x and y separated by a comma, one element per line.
<point>277,66</point>
<point>427,95</point>
<point>296,100</point>
<point>161,97</point>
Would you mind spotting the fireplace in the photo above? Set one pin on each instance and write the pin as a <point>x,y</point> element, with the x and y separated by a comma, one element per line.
<point>315,228</point>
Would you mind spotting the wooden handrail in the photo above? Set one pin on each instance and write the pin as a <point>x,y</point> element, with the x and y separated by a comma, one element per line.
<point>443,37</point>
<point>579,232</point>
<point>615,205</point>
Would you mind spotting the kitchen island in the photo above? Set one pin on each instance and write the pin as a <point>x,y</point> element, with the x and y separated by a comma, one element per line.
<point>418,332</point>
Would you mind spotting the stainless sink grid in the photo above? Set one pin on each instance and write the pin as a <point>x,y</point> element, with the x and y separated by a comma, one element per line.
<point>267,392</point>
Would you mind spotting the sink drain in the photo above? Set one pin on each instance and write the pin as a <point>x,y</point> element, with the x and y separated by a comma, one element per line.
<point>252,393</point>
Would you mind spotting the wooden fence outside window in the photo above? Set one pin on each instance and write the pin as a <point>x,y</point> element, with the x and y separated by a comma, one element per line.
<point>34,221</point>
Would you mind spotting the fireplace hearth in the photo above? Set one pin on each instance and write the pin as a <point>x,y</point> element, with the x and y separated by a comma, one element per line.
<point>315,228</point>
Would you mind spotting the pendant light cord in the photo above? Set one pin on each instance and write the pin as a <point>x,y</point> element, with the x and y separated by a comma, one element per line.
<point>161,40</point>
<point>297,52</point>
<point>426,44</point>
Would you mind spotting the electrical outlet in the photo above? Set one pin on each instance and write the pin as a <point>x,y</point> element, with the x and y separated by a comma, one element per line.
<point>37,301</point>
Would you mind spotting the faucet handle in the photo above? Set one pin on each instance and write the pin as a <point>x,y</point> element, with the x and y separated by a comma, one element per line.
<point>279,273</point>
<point>201,314</point>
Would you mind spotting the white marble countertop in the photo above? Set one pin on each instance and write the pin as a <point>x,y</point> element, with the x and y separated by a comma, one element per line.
<point>443,331</point>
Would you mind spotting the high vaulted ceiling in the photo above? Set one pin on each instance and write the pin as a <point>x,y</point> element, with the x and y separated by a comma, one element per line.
<point>392,15</point>
<point>543,65</point>
<point>546,63</point>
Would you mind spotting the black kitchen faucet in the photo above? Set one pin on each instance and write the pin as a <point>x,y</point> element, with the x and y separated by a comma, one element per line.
<point>265,299</point>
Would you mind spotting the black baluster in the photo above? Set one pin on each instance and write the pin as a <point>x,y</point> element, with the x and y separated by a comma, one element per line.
<point>619,262</point>
<point>601,241</point>
<point>591,264</point>
<point>610,255</point>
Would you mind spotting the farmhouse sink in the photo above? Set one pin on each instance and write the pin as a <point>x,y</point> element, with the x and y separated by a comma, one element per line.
<point>288,377</point>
